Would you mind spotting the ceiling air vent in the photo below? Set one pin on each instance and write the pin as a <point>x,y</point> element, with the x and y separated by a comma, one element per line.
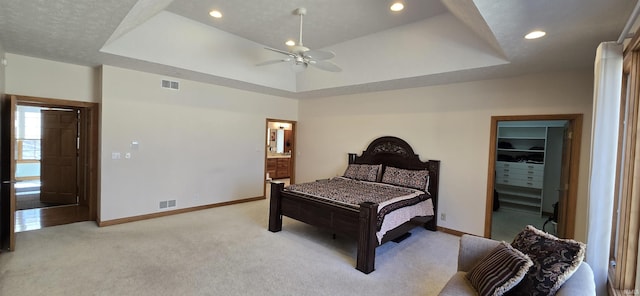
<point>170,84</point>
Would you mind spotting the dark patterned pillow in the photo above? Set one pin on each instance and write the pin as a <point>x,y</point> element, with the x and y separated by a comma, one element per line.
<point>554,261</point>
<point>417,179</point>
<point>502,269</point>
<point>363,172</point>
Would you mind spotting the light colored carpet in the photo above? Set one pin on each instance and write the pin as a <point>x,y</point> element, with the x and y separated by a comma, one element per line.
<point>221,251</point>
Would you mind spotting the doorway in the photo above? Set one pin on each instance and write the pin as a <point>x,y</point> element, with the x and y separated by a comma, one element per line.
<point>533,174</point>
<point>280,152</point>
<point>57,165</point>
<point>46,154</point>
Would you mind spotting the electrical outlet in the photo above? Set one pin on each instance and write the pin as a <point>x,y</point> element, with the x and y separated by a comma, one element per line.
<point>163,204</point>
<point>171,203</point>
<point>443,216</point>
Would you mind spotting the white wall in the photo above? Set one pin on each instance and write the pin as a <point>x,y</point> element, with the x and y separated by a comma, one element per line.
<point>446,122</point>
<point>49,79</point>
<point>204,49</point>
<point>439,44</point>
<point>552,168</point>
<point>2,72</point>
<point>203,144</point>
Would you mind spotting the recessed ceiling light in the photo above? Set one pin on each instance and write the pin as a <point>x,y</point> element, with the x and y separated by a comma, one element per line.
<point>535,35</point>
<point>290,43</point>
<point>215,13</point>
<point>397,6</point>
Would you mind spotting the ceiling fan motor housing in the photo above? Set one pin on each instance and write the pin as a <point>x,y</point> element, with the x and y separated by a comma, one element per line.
<point>297,49</point>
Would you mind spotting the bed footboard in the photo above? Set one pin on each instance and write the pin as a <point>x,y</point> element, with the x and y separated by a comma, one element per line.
<point>360,225</point>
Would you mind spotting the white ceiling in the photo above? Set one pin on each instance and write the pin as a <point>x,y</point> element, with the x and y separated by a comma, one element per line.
<point>430,42</point>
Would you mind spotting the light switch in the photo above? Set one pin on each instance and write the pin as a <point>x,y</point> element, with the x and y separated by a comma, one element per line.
<point>115,155</point>
<point>134,145</point>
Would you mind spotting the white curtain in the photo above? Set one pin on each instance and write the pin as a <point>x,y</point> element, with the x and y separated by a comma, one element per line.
<point>602,171</point>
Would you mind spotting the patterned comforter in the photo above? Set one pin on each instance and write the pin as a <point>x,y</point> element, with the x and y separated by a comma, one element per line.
<point>352,193</point>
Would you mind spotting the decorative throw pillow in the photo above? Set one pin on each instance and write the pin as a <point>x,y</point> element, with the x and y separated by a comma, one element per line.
<point>417,179</point>
<point>554,261</point>
<point>502,269</point>
<point>363,172</point>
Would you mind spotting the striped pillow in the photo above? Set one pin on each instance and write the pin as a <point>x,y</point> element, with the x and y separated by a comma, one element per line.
<point>502,269</point>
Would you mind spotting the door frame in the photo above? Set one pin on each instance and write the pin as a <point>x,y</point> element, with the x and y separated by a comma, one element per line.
<point>575,120</point>
<point>88,157</point>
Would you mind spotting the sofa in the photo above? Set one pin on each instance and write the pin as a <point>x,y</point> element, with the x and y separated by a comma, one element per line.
<point>473,249</point>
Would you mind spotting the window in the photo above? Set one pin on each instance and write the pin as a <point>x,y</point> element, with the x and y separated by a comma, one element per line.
<point>29,149</point>
<point>28,138</point>
<point>623,255</point>
<point>28,133</point>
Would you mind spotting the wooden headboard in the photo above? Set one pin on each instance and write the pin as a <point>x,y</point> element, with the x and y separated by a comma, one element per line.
<point>395,152</point>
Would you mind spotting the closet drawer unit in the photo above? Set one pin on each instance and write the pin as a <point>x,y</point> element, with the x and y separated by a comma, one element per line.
<point>521,174</point>
<point>519,166</point>
<point>519,182</point>
<point>520,177</point>
<point>519,171</point>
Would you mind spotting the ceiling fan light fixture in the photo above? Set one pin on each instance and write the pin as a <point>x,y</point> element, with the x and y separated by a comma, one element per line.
<point>397,6</point>
<point>215,13</point>
<point>299,67</point>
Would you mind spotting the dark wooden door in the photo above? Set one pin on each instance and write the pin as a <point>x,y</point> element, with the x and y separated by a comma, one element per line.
<point>7,173</point>
<point>58,167</point>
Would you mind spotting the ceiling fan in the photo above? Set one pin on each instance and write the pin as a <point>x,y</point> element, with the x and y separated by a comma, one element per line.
<point>303,56</point>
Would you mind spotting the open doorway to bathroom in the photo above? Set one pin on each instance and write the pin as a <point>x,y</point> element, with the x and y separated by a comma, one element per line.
<point>279,152</point>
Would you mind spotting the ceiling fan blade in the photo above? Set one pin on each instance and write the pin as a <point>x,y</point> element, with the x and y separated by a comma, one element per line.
<point>319,54</point>
<point>325,65</point>
<point>280,51</point>
<point>273,62</point>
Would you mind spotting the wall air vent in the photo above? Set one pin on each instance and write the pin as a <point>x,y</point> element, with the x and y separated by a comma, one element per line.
<point>175,85</point>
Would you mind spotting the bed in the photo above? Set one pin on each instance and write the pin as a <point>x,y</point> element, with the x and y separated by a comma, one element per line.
<point>364,221</point>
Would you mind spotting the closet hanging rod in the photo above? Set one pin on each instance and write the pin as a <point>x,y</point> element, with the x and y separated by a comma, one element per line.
<point>630,22</point>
